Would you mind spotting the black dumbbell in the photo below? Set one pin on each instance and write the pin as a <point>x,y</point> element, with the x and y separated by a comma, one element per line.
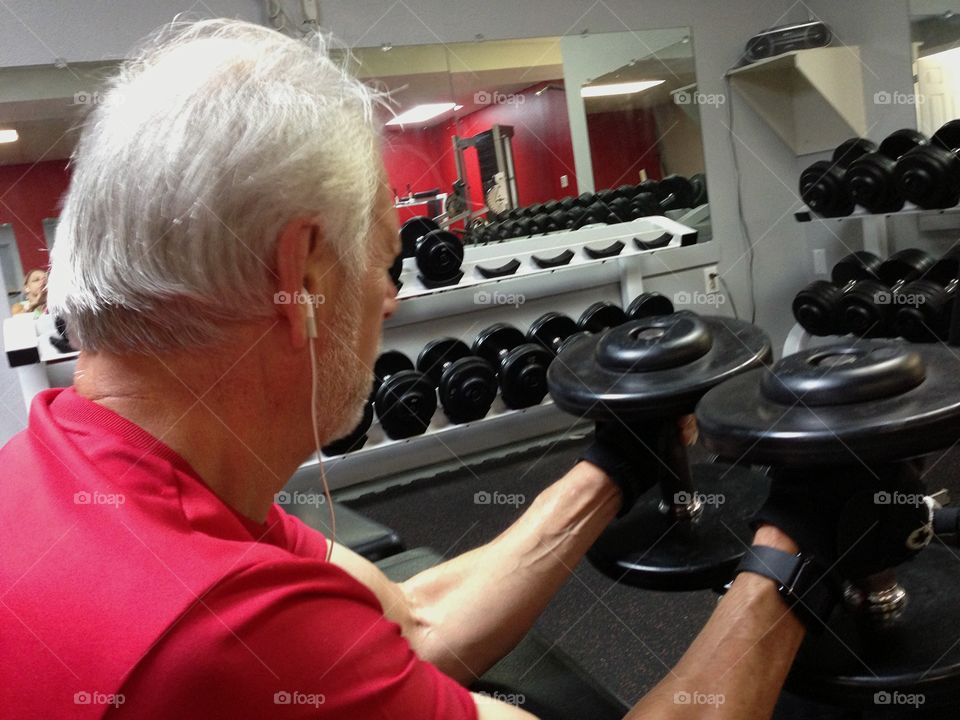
<point>649,304</point>
<point>866,309</point>
<point>643,376</point>
<point>699,183</point>
<point>598,213</point>
<point>822,185</point>
<point>627,192</point>
<point>508,229</point>
<point>521,366</point>
<point>567,204</point>
<point>404,399</point>
<point>621,210</point>
<point>871,177</point>
<point>439,257</point>
<point>467,384</point>
<point>929,175</point>
<point>550,206</point>
<point>861,413</point>
<point>674,192</point>
<point>357,437</point>
<point>574,217</point>
<point>922,308</point>
<point>550,330</point>
<point>607,195</point>
<point>586,199</point>
<point>411,232</point>
<point>600,316</point>
<point>644,204</point>
<point>817,307</point>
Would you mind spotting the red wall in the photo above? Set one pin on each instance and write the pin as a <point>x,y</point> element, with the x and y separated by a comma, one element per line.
<point>621,144</point>
<point>542,149</point>
<point>28,194</point>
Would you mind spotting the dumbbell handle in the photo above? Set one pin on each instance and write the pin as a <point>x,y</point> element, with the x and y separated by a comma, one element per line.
<point>946,521</point>
<point>662,443</point>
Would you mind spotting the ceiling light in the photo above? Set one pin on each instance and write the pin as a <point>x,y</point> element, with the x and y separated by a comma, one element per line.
<point>457,107</point>
<point>421,113</point>
<point>626,88</point>
<point>8,136</point>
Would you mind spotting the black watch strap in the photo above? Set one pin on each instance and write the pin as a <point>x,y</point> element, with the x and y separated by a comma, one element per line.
<point>803,584</point>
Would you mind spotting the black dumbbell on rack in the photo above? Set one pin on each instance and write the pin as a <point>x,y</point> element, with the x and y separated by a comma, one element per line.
<point>867,308</point>
<point>923,307</point>
<point>550,330</point>
<point>600,316</point>
<point>404,399</point>
<point>466,384</point>
<point>649,304</point>
<point>929,175</point>
<point>521,366</point>
<point>439,253</point>
<point>871,178</point>
<point>817,307</point>
<point>823,185</point>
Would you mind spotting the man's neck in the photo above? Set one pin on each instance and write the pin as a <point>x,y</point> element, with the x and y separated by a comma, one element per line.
<point>220,420</point>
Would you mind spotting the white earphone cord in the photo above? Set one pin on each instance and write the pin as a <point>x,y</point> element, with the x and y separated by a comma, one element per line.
<point>316,440</point>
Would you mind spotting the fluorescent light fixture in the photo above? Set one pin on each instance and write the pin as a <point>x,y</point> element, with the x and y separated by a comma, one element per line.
<point>458,107</point>
<point>421,113</point>
<point>625,88</point>
<point>8,136</point>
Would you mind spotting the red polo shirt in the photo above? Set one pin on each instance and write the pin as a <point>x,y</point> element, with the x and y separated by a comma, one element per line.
<point>129,589</point>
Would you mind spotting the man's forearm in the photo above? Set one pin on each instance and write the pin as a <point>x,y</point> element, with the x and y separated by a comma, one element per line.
<point>470,611</point>
<point>737,665</point>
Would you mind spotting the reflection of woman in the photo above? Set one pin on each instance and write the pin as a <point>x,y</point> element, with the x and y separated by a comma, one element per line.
<point>35,292</point>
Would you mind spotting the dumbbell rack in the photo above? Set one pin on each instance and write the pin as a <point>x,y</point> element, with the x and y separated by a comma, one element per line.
<point>876,239</point>
<point>459,311</point>
<point>424,314</point>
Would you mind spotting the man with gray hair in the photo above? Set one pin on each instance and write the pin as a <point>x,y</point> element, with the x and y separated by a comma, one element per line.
<point>147,572</point>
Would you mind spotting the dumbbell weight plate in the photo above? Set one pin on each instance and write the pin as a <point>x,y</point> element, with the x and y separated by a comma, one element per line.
<point>916,653</point>
<point>872,430</point>
<point>414,229</point>
<point>437,353</point>
<point>405,403</point>
<point>699,183</point>
<point>849,150</point>
<point>493,342</point>
<point>439,256</point>
<point>815,308</point>
<point>550,329</point>
<point>675,193</point>
<point>467,389</point>
<point>389,363</point>
<point>523,376</point>
<point>649,304</point>
<point>600,316</point>
<point>685,354</point>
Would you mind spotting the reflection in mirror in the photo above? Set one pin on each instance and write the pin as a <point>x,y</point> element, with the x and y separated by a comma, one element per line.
<point>41,108</point>
<point>421,108</point>
<point>524,124</point>
<point>935,41</point>
<point>639,102</point>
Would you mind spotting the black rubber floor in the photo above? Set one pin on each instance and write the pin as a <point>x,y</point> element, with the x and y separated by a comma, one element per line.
<point>627,638</point>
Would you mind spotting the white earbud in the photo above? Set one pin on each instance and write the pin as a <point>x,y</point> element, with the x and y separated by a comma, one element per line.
<point>311,315</point>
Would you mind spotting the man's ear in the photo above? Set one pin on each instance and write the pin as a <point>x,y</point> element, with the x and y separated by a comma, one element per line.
<point>295,244</point>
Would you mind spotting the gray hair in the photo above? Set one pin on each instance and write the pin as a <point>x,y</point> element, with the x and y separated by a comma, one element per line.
<point>203,146</point>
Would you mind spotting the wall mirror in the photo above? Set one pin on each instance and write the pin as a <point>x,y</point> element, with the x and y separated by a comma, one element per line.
<point>489,125</point>
<point>935,43</point>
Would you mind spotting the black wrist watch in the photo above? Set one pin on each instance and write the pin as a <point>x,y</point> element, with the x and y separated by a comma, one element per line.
<point>802,582</point>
